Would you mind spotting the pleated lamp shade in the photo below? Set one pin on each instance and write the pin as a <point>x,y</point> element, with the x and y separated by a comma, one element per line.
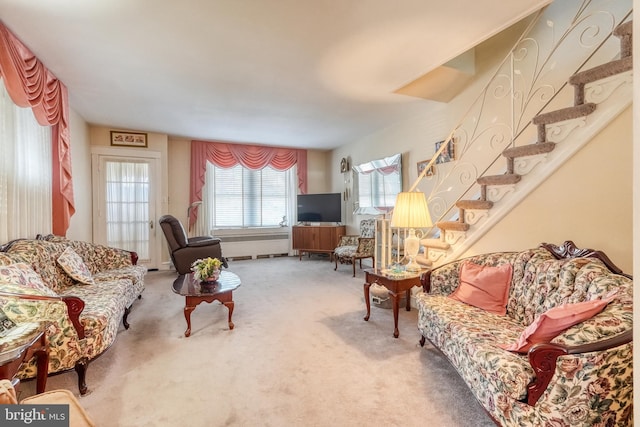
<point>411,211</point>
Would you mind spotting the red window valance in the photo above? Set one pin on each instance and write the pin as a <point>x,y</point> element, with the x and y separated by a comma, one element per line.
<point>249,156</point>
<point>30,84</point>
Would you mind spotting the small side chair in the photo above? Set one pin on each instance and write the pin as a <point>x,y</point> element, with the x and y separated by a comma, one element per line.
<point>356,247</point>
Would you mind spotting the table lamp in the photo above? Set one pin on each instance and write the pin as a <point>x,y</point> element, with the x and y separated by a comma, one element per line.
<point>411,211</point>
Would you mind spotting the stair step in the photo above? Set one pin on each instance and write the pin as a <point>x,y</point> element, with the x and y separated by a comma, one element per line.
<point>624,29</point>
<point>564,114</point>
<point>453,225</point>
<point>423,261</point>
<point>474,204</point>
<point>529,150</point>
<point>435,243</point>
<point>602,71</point>
<point>625,33</point>
<point>506,179</point>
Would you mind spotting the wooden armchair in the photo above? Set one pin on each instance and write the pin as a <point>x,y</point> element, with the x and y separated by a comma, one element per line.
<point>356,247</point>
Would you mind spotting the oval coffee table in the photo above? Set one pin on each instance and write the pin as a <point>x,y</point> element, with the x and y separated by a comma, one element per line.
<point>196,292</point>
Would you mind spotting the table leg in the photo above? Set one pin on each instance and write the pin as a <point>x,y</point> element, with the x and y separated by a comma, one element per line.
<point>187,315</point>
<point>396,308</point>
<point>366,300</point>
<point>230,305</point>
<point>42,363</point>
<point>408,294</point>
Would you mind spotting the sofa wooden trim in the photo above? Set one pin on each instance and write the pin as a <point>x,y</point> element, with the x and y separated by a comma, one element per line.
<point>569,250</point>
<point>543,358</point>
<point>74,307</point>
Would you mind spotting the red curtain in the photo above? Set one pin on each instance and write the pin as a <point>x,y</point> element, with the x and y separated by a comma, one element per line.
<point>249,156</point>
<point>31,84</point>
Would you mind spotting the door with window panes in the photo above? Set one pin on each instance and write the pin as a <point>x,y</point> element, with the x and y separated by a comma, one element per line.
<point>125,205</point>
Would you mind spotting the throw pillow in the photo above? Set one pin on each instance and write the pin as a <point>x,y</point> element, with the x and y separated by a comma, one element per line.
<point>20,278</point>
<point>75,267</point>
<point>484,286</point>
<point>556,320</point>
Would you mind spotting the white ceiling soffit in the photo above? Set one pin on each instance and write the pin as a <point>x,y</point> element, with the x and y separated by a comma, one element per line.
<point>309,74</point>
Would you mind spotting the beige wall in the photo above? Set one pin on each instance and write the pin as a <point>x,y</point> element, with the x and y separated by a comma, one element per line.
<point>588,200</point>
<point>179,167</point>
<point>318,177</point>
<point>81,224</point>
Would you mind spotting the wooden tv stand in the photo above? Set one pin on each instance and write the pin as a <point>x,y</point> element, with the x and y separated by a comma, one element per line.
<point>316,238</point>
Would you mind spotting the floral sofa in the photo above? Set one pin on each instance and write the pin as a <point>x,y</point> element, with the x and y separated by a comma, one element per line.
<point>82,290</point>
<point>580,377</point>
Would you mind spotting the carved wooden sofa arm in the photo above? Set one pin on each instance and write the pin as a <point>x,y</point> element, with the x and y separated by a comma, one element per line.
<point>74,307</point>
<point>543,358</point>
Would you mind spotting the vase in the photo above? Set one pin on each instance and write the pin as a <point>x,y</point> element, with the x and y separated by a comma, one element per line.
<point>213,278</point>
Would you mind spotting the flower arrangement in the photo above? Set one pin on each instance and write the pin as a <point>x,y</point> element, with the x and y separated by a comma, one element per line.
<point>206,268</point>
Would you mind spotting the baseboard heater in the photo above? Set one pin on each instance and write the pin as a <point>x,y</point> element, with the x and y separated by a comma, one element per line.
<point>252,243</point>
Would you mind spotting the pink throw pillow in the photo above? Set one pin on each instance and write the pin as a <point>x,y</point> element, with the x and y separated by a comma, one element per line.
<point>556,320</point>
<point>484,287</point>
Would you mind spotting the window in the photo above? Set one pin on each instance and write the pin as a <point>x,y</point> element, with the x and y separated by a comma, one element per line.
<point>239,198</point>
<point>378,183</point>
<point>25,172</point>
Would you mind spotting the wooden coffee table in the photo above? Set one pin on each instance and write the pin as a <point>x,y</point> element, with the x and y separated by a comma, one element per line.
<point>196,292</point>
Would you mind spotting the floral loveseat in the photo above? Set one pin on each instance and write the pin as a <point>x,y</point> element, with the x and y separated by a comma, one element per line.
<point>82,290</point>
<point>581,377</point>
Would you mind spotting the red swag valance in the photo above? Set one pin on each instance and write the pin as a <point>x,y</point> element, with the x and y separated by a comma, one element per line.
<point>249,156</point>
<point>31,84</point>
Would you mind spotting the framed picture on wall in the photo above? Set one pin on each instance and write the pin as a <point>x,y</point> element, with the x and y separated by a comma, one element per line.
<point>448,154</point>
<point>128,139</point>
<point>423,164</point>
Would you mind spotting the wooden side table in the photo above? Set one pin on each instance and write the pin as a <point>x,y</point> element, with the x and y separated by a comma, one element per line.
<point>20,348</point>
<point>396,285</point>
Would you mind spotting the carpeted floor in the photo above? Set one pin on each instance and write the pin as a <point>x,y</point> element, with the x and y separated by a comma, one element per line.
<point>300,355</point>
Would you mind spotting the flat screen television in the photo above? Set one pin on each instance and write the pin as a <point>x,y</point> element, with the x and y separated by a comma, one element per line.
<point>326,207</point>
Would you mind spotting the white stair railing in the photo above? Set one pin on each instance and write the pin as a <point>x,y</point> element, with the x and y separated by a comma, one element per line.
<point>566,37</point>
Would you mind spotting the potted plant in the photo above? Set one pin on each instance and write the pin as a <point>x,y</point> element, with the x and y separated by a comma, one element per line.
<point>206,269</point>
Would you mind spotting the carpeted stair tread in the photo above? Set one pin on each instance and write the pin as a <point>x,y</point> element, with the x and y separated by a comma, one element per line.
<point>474,204</point>
<point>564,114</point>
<point>506,179</point>
<point>435,243</point>
<point>625,33</point>
<point>423,261</point>
<point>453,225</point>
<point>602,71</point>
<point>624,29</point>
<point>529,150</point>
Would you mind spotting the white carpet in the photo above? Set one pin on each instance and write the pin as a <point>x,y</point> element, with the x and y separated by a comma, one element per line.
<point>300,355</point>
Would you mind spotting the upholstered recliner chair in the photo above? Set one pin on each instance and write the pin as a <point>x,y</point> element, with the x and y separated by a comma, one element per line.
<point>184,250</point>
<point>357,247</point>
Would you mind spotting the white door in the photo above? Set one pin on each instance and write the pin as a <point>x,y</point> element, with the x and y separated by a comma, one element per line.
<point>125,195</point>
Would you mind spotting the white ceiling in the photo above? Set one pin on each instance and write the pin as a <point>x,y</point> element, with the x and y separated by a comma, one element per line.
<point>296,73</point>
